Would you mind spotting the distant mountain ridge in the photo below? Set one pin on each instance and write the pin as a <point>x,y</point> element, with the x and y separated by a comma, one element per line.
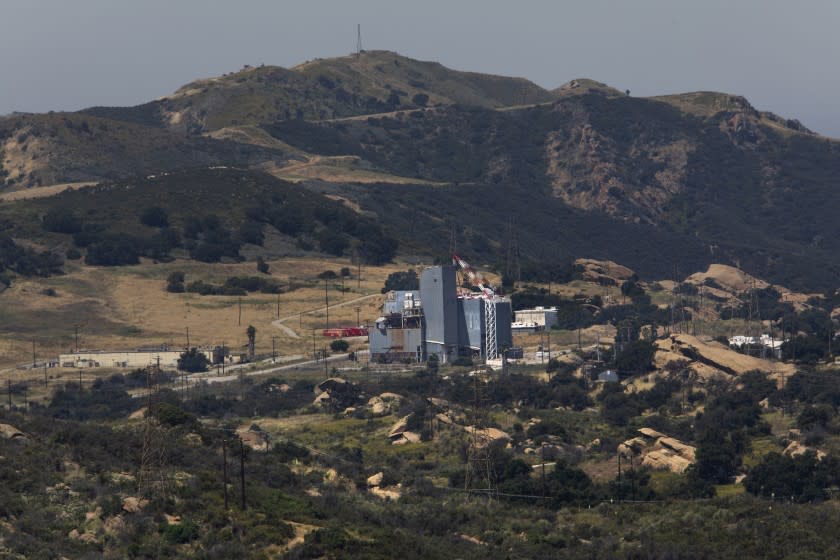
<point>373,82</point>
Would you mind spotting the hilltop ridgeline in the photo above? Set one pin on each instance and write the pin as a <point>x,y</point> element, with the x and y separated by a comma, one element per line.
<point>582,170</point>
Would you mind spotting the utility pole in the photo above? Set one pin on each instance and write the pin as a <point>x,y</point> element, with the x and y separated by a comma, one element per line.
<point>542,476</point>
<point>242,472</point>
<point>548,333</point>
<point>80,379</point>
<point>273,351</point>
<point>358,308</point>
<point>618,488</point>
<point>188,338</point>
<point>225,470</point>
<point>327,302</point>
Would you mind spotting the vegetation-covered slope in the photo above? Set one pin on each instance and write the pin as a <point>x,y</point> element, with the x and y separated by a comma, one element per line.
<point>373,82</point>
<point>208,214</point>
<point>682,180</point>
<point>66,147</point>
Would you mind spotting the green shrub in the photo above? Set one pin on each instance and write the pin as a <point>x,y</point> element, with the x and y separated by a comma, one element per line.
<point>339,345</point>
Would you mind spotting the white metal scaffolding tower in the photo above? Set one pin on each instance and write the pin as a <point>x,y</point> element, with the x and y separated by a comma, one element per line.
<point>490,342</point>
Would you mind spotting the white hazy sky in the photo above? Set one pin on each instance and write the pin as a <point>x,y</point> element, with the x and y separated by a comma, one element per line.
<point>781,55</point>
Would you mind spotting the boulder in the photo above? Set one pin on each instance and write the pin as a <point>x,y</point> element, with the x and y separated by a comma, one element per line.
<point>399,427</point>
<point>387,493</point>
<point>255,440</point>
<point>663,459</point>
<point>114,525</point>
<point>7,431</point>
<point>133,504</point>
<point>375,480</point>
<point>322,399</point>
<point>377,406</point>
<point>795,448</point>
<point>331,384</point>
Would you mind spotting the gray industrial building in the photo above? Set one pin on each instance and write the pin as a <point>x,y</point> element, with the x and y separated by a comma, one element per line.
<point>398,334</point>
<point>440,322</point>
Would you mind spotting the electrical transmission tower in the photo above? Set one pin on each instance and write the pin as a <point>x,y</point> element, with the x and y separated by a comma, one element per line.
<point>153,480</point>
<point>753,317</point>
<point>480,476</point>
<point>513,269</point>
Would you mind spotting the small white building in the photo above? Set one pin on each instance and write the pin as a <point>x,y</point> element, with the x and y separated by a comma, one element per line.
<point>541,317</point>
<point>765,340</point>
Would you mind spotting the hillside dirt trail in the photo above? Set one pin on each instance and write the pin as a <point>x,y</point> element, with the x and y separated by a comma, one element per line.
<point>41,192</point>
<point>279,323</point>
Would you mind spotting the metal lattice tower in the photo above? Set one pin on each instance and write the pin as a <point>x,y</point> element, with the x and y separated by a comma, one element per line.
<point>513,269</point>
<point>480,476</point>
<point>490,341</point>
<point>153,480</point>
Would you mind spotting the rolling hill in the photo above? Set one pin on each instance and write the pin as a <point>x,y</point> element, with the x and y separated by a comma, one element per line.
<point>584,170</point>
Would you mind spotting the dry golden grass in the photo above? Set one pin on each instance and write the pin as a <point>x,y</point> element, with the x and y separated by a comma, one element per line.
<point>40,192</point>
<point>339,169</point>
<point>128,307</point>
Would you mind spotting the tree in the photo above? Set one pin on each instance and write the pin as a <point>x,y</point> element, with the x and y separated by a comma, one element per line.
<point>115,250</point>
<point>192,361</point>
<point>252,337</point>
<point>420,99</point>
<point>262,266</point>
<point>62,221</point>
<point>717,457</point>
<point>154,216</point>
<point>636,358</point>
<point>815,417</point>
<point>219,354</point>
<point>804,477</point>
<point>401,281</point>
<point>175,282</point>
<point>251,232</point>
<point>339,345</point>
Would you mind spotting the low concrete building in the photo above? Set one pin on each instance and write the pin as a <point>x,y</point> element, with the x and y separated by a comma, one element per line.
<point>540,317</point>
<point>139,358</point>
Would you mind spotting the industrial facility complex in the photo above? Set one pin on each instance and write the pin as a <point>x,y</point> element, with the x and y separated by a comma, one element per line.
<point>438,320</point>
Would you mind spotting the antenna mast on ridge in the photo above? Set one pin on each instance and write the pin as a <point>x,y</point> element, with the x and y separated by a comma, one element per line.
<point>358,39</point>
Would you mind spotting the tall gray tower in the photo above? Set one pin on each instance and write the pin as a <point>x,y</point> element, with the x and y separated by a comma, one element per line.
<point>439,298</point>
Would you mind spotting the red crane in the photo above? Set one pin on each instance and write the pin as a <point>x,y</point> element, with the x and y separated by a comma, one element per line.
<point>476,278</point>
